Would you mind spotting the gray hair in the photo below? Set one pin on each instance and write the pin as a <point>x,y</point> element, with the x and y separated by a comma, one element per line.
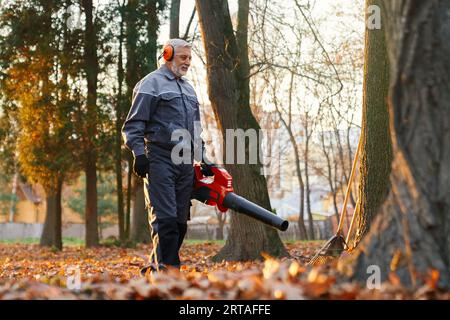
<point>176,43</point>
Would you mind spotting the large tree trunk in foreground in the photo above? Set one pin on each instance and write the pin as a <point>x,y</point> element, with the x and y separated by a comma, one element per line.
<point>376,151</point>
<point>410,236</point>
<point>52,232</point>
<point>228,87</point>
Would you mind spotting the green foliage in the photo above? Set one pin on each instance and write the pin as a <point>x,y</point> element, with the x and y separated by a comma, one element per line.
<point>42,113</point>
<point>8,134</point>
<point>5,202</point>
<point>6,197</point>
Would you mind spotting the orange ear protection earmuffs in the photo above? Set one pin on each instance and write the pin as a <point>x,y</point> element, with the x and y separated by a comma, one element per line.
<point>168,52</point>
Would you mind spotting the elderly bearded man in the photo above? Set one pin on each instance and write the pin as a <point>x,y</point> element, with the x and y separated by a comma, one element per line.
<point>164,104</point>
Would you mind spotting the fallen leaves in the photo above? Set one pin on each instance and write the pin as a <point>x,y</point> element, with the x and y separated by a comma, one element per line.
<point>33,272</point>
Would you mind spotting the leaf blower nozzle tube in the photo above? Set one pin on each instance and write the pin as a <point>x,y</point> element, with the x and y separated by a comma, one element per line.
<point>242,205</point>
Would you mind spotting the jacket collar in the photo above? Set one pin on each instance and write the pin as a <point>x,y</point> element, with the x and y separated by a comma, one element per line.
<point>169,74</point>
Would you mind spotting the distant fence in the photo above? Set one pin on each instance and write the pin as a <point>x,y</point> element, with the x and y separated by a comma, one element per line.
<point>11,231</point>
<point>322,230</point>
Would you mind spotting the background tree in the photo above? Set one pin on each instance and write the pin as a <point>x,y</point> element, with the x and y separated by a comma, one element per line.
<point>43,113</point>
<point>120,114</point>
<point>409,236</point>
<point>175,19</point>
<point>376,151</point>
<point>142,24</point>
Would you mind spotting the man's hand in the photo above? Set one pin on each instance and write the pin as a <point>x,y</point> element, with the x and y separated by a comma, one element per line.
<point>140,165</point>
<point>206,169</point>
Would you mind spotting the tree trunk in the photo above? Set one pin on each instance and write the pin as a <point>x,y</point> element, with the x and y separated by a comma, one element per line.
<point>91,68</point>
<point>376,151</point>
<point>308,190</point>
<point>132,76</point>
<point>330,174</point>
<point>152,33</point>
<point>287,123</point>
<point>219,232</point>
<point>140,229</point>
<point>129,195</point>
<point>132,72</point>
<point>91,236</point>
<point>301,216</point>
<point>137,67</point>
<point>12,206</point>
<point>52,231</point>
<point>345,173</point>
<point>119,123</point>
<point>221,218</point>
<point>228,88</point>
<point>175,19</point>
<point>410,235</point>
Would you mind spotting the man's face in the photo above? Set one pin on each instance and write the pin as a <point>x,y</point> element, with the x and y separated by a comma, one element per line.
<point>181,61</point>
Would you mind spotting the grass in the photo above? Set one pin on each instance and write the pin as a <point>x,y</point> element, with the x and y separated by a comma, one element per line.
<point>68,241</point>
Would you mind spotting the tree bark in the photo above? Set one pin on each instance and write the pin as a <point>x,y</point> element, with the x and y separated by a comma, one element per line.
<point>345,174</point>
<point>119,123</point>
<point>91,236</point>
<point>175,19</point>
<point>52,231</point>
<point>329,174</point>
<point>152,33</point>
<point>132,76</point>
<point>228,88</point>
<point>376,151</point>
<point>129,195</point>
<point>410,235</point>
<point>91,69</point>
<point>140,229</point>
<point>219,231</point>
<point>308,189</point>
<point>221,218</point>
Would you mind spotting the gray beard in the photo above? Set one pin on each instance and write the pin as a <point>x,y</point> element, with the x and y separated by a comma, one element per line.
<point>176,70</point>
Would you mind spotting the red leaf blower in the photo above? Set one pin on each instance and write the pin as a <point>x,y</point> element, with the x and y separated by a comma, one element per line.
<point>217,190</point>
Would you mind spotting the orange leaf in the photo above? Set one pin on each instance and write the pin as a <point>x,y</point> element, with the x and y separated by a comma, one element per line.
<point>394,279</point>
<point>433,278</point>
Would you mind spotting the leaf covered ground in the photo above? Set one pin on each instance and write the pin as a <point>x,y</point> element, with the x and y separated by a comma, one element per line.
<point>28,271</point>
